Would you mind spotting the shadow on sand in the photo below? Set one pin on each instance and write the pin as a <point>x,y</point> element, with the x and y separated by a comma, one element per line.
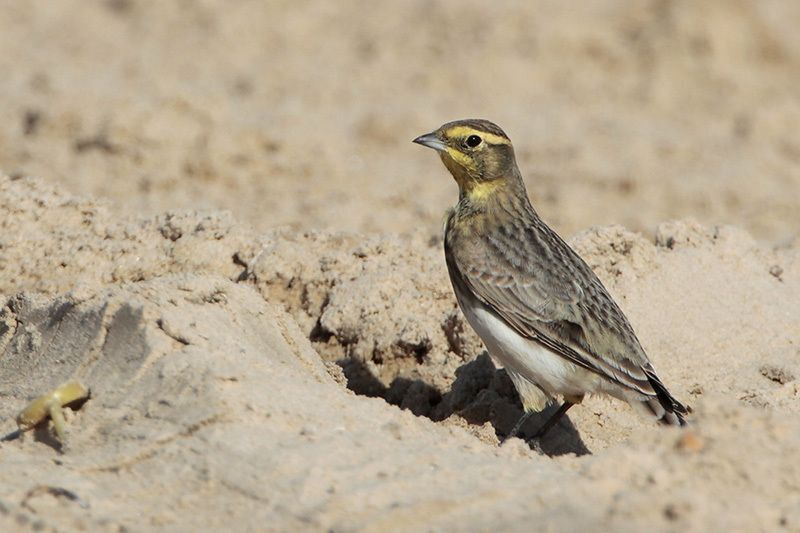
<point>480,393</point>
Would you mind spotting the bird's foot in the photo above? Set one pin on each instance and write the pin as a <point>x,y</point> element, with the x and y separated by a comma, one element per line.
<point>515,430</point>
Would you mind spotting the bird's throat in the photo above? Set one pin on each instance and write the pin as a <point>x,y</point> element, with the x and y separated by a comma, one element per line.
<point>480,191</point>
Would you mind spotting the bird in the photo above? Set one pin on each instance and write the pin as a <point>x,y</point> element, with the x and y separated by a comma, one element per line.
<point>539,309</point>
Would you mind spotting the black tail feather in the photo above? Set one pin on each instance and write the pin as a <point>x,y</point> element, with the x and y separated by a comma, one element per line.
<point>664,406</point>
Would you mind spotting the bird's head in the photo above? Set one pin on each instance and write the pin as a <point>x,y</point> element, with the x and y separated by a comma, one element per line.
<point>477,153</point>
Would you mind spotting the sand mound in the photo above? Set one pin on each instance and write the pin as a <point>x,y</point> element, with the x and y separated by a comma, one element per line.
<point>211,406</point>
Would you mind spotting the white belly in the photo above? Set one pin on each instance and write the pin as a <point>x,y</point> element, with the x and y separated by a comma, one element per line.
<point>554,374</point>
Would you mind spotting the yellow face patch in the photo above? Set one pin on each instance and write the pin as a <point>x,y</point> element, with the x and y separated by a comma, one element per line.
<point>461,158</point>
<point>465,131</point>
<point>479,170</point>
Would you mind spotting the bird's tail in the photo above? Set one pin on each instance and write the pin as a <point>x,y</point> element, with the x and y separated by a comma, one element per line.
<point>667,417</point>
<point>663,405</point>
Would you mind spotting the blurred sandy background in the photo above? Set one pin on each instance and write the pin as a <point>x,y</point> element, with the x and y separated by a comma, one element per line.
<point>212,214</point>
<point>301,113</point>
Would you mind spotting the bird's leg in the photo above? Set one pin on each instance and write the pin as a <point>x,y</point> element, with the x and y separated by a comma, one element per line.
<point>517,426</point>
<point>553,420</point>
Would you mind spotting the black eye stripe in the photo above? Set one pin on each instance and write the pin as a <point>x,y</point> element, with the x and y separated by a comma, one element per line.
<point>473,141</point>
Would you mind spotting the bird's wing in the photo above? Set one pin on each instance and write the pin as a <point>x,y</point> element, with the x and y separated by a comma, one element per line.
<point>566,309</point>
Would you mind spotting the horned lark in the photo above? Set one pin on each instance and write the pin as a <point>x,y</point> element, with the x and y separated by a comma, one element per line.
<point>538,307</point>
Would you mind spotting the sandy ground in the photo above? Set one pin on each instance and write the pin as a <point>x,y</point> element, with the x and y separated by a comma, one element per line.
<point>279,111</point>
<point>232,242</point>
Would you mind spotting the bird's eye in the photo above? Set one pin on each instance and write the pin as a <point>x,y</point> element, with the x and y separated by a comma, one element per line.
<point>473,141</point>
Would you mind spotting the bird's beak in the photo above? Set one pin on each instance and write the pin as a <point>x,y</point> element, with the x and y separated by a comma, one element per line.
<point>431,141</point>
